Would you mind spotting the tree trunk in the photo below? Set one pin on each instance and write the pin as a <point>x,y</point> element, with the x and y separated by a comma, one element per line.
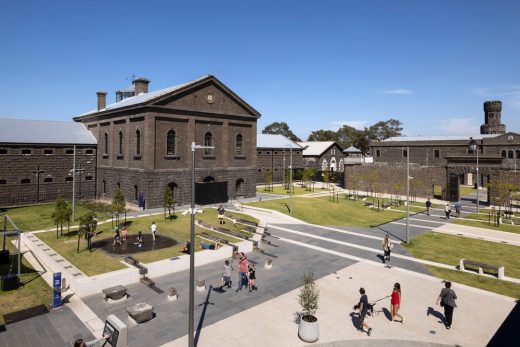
<point>57,231</point>
<point>79,237</point>
<point>61,229</point>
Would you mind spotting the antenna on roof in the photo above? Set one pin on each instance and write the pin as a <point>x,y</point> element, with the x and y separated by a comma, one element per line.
<point>131,77</point>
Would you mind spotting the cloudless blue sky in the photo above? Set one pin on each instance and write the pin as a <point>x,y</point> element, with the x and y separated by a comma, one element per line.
<point>312,64</point>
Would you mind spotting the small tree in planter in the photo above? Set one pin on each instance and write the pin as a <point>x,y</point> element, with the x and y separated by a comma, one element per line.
<point>308,329</point>
<point>168,202</point>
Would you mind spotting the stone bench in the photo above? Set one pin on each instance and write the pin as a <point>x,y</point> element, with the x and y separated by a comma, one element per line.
<point>385,206</point>
<point>481,267</point>
<point>368,204</point>
<point>116,293</point>
<point>147,281</point>
<point>140,312</point>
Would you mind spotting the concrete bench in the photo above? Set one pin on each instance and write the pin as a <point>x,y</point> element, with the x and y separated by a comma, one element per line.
<point>114,293</point>
<point>147,281</point>
<point>140,312</point>
<point>481,267</point>
<point>385,206</point>
<point>368,204</point>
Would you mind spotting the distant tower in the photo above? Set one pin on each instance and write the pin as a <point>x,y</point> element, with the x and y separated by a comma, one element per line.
<point>492,118</point>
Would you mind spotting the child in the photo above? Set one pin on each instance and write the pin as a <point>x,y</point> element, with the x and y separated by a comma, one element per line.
<point>124,233</point>
<point>140,238</point>
<point>226,276</point>
<point>153,229</point>
<point>252,278</point>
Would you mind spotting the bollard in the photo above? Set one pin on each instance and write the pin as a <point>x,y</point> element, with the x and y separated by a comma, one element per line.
<point>268,264</point>
<point>461,265</point>
<point>201,285</point>
<point>501,273</point>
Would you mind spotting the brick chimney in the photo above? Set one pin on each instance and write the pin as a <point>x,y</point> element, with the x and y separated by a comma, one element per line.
<point>101,100</point>
<point>140,85</point>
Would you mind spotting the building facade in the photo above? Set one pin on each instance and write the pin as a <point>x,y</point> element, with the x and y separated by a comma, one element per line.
<point>37,159</point>
<point>274,155</point>
<point>144,143</point>
<point>323,155</point>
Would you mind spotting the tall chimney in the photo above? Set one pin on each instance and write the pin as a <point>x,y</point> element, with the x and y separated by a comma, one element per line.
<point>140,85</point>
<point>101,100</point>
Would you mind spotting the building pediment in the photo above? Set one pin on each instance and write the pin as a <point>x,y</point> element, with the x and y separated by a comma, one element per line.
<point>509,138</point>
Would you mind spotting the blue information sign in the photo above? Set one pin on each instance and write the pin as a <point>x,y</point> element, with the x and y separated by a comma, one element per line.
<point>56,288</point>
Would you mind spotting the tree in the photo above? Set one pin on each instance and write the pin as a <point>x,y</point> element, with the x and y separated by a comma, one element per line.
<point>168,202</point>
<point>118,204</point>
<point>323,135</point>
<point>308,297</point>
<point>86,226</point>
<point>348,136</point>
<point>383,130</point>
<point>280,128</point>
<point>60,214</point>
<point>268,178</point>
<point>326,177</point>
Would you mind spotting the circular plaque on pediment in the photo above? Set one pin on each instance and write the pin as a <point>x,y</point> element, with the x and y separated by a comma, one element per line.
<point>210,98</point>
<point>510,138</point>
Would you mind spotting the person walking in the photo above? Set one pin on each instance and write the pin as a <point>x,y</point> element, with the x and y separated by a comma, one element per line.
<point>387,248</point>
<point>458,207</point>
<point>447,299</point>
<point>220,213</point>
<point>395,303</point>
<point>242,271</point>
<point>153,229</point>
<point>226,275</point>
<point>363,308</point>
<point>447,210</point>
<point>428,206</point>
<point>252,278</point>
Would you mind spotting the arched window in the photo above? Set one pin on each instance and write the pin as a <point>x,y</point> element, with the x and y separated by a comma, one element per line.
<point>324,165</point>
<point>504,153</point>
<point>238,145</point>
<point>341,165</point>
<point>106,143</point>
<point>333,164</point>
<point>138,142</point>
<point>136,193</point>
<point>208,140</point>
<point>104,185</point>
<point>517,152</point>
<point>120,142</point>
<point>170,143</point>
<point>510,154</point>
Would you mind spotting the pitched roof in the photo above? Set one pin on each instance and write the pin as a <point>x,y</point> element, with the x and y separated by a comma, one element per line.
<point>275,141</point>
<point>147,97</point>
<point>352,149</point>
<point>44,132</point>
<point>315,147</point>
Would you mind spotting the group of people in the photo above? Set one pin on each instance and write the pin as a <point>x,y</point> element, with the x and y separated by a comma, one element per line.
<point>447,209</point>
<point>246,274</point>
<point>121,234</point>
<point>446,299</point>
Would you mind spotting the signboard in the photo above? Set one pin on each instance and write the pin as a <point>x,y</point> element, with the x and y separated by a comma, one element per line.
<point>110,330</point>
<point>56,290</point>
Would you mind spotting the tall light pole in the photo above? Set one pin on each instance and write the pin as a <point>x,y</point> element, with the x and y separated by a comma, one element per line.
<point>407,194</point>
<point>37,172</point>
<point>290,178</point>
<point>191,334</point>
<point>473,148</point>
<point>74,184</point>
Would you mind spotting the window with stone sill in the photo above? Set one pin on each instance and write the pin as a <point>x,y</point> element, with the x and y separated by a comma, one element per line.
<point>68,179</point>
<point>25,181</point>
<point>378,153</point>
<point>238,145</point>
<point>437,153</point>
<point>47,180</point>
<point>26,151</point>
<point>69,151</point>
<point>3,182</point>
<point>88,178</point>
<point>3,151</point>
<point>89,152</point>
<point>48,151</point>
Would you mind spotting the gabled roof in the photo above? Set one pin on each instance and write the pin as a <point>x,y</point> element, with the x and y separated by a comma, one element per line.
<point>44,132</point>
<point>352,149</point>
<point>438,138</point>
<point>315,148</point>
<point>275,141</point>
<point>150,97</point>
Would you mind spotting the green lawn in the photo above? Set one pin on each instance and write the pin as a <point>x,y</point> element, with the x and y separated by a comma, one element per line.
<point>486,283</point>
<point>449,249</point>
<point>323,212</point>
<point>33,292</point>
<point>466,190</point>
<point>297,190</point>
<point>482,221</point>
<point>99,262</point>
<point>39,216</point>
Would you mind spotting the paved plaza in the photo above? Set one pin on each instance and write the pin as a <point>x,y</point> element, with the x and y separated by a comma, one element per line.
<point>342,259</point>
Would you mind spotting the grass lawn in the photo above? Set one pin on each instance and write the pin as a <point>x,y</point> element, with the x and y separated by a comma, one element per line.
<point>449,249</point>
<point>323,212</point>
<point>297,190</point>
<point>486,283</point>
<point>481,221</point>
<point>39,216</point>
<point>99,262</point>
<point>466,190</point>
<point>33,292</point>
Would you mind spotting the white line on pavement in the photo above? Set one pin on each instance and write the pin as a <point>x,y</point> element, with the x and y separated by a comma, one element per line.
<point>411,225</point>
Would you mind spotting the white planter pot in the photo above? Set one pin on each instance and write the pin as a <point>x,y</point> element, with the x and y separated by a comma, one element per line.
<point>309,331</point>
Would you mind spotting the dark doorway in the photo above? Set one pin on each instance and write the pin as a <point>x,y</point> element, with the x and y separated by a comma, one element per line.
<point>453,187</point>
<point>174,189</point>
<point>239,187</point>
<point>210,192</point>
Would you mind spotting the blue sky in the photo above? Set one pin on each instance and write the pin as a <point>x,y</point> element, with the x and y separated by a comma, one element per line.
<point>312,64</point>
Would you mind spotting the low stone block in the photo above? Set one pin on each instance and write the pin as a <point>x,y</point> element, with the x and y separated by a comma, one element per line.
<point>147,281</point>
<point>114,293</point>
<point>268,263</point>
<point>140,312</point>
<point>201,285</point>
<point>501,273</point>
<point>461,265</point>
<point>172,291</point>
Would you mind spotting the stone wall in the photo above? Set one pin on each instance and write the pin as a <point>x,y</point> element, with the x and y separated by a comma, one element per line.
<point>273,159</point>
<point>391,178</point>
<point>19,184</point>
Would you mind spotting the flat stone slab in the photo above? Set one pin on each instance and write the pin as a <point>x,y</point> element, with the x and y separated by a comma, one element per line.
<point>140,312</point>
<point>114,293</point>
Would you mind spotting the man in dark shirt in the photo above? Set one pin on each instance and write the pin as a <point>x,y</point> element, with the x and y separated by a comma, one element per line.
<point>363,308</point>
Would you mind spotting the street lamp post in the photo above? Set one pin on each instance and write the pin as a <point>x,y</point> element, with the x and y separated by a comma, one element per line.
<point>37,172</point>
<point>407,194</point>
<point>290,178</point>
<point>473,148</point>
<point>191,334</point>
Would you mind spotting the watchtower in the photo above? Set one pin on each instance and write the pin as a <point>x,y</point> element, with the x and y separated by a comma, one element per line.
<point>493,118</point>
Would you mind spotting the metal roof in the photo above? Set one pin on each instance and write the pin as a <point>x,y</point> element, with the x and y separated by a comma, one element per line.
<point>439,138</point>
<point>143,97</point>
<point>275,141</point>
<point>352,149</point>
<point>315,148</point>
<point>44,131</point>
